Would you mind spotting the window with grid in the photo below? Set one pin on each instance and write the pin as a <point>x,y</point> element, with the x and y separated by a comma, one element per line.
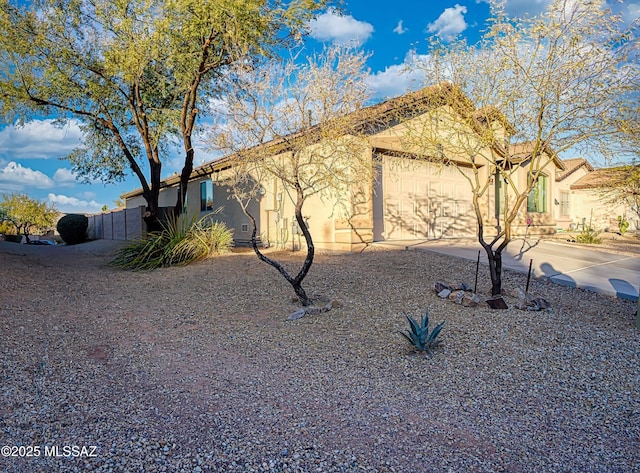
<point>564,204</point>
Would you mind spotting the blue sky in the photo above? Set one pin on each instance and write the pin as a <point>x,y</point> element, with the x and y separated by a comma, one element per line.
<point>31,157</point>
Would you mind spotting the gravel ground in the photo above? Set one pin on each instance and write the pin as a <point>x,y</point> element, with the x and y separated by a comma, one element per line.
<point>196,369</point>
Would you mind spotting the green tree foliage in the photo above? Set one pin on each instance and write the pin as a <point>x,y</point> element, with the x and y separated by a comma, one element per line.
<point>27,215</point>
<point>137,74</point>
<point>531,88</point>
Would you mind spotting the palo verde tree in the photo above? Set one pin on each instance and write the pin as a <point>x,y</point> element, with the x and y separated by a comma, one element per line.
<point>298,123</point>
<point>27,214</point>
<point>529,89</point>
<point>136,74</point>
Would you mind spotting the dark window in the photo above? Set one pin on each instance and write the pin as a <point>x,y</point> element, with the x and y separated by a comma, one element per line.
<point>206,196</point>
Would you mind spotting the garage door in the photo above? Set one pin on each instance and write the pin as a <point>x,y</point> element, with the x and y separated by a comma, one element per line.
<point>424,201</point>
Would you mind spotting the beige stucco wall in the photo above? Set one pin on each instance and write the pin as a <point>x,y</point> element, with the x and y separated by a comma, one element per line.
<point>587,205</point>
<point>334,224</point>
<point>573,215</point>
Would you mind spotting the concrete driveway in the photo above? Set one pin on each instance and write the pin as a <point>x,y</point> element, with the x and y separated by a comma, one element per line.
<point>592,269</point>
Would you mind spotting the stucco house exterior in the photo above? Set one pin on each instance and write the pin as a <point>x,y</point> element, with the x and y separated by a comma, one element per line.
<point>580,201</point>
<point>414,196</point>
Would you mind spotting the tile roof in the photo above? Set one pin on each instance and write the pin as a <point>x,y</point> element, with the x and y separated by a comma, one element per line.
<point>571,166</point>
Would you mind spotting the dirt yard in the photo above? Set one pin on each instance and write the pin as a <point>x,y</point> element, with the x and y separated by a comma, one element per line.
<point>197,369</point>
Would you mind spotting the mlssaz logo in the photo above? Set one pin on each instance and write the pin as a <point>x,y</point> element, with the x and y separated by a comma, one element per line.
<point>70,451</point>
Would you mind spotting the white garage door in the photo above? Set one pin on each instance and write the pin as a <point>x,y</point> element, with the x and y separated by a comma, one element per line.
<point>425,201</point>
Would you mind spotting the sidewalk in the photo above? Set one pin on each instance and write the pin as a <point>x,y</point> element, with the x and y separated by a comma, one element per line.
<point>586,268</point>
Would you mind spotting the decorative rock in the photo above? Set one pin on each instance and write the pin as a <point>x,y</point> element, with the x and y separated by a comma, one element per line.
<point>465,287</point>
<point>439,286</point>
<point>298,314</point>
<point>313,310</point>
<point>541,303</point>
<point>444,293</point>
<point>470,299</point>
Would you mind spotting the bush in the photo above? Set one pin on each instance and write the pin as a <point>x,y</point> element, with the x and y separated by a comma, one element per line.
<point>73,228</point>
<point>181,241</point>
<point>13,238</point>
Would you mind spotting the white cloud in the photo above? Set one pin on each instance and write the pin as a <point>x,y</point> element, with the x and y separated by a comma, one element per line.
<point>399,29</point>
<point>450,23</point>
<point>331,26</point>
<point>64,177</point>
<point>39,139</point>
<point>14,177</point>
<point>397,79</point>
<point>67,204</point>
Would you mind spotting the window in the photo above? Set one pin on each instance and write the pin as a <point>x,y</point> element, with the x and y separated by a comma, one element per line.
<point>244,228</point>
<point>206,196</point>
<point>537,199</point>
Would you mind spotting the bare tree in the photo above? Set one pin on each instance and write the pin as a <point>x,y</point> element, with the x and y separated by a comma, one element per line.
<point>297,123</point>
<point>529,89</point>
<point>621,185</point>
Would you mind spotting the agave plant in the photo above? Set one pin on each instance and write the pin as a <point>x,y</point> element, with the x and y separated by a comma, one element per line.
<point>419,335</point>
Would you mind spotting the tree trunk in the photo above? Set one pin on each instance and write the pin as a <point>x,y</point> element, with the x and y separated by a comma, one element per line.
<point>296,282</point>
<point>187,169</point>
<point>495,270</point>
<point>151,196</point>
<point>308,261</point>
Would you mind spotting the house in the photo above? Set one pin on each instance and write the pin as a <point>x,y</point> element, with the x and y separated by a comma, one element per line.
<point>421,192</point>
<point>581,199</point>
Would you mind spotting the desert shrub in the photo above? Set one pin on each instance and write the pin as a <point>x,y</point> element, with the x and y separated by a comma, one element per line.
<point>181,241</point>
<point>73,228</point>
<point>419,335</point>
<point>589,236</point>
